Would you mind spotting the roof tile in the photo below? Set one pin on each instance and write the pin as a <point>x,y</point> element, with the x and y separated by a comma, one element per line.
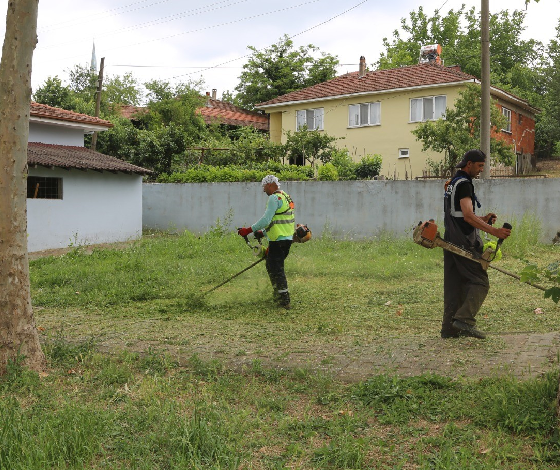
<point>64,156</point>
<point>50,112</point>
<point>376,81</point>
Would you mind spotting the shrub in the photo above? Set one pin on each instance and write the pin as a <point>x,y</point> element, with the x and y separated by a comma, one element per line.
<point>328,172</point>
<point>344,164</point>
<point>369,166</point>
<point>232,173</point>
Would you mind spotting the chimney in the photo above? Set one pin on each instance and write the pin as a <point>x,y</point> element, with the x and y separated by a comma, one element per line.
<point>362,69</point>
<point>207,99</point>
<point>214,93</point>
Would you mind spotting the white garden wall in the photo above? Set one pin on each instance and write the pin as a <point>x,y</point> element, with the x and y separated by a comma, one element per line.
<point>346,209</point>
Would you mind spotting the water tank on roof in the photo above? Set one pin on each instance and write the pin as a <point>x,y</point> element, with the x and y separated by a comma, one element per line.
<point>430,53</point>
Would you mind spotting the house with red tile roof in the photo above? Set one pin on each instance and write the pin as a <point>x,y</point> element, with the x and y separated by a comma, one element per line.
<point>76,195</point>
<point>216,112</point>
<point>374,113</point>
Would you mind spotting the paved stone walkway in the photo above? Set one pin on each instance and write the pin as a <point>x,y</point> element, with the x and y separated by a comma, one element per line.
<point>522,355</point>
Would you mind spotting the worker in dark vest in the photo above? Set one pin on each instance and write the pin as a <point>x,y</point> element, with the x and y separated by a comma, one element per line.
<point>465,282</point>
<point>277,222</point>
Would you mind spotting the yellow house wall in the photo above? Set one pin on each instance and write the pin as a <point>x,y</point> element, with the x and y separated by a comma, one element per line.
<point>386,139</point>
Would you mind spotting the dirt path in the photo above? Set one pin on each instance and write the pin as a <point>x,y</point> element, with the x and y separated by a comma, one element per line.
<point>523,355</point>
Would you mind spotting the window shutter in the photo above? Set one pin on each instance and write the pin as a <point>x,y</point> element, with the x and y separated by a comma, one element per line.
<point>416,109</point>
<point>428,104</point>
<point>353,115</point>
<point>318,116</point>
<point>441,104</point>
<point>300,117</point>
<point>375,113</point>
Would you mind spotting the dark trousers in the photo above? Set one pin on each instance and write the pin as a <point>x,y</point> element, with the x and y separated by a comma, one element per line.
<point>277,253</point>
<point>465,286</point>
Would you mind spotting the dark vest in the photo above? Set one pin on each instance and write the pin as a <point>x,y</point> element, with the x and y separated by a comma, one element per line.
<point>457,231</point>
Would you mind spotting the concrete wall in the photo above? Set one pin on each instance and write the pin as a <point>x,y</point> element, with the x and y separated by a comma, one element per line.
<point>96,208</point>
<point>358,209</point>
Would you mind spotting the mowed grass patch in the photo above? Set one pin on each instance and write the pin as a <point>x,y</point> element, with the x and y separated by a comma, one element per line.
<point>382,287</point>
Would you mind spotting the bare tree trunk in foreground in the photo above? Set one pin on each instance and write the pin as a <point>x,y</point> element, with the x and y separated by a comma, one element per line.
<point>18,336</point>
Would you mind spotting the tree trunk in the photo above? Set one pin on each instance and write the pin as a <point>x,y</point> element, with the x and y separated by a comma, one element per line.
<point>19,339</point>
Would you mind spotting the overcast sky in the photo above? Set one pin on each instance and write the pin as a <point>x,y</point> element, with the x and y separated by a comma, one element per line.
<point>178,40</point>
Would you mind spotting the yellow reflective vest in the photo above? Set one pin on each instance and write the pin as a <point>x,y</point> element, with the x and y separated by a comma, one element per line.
<point>283,221</point>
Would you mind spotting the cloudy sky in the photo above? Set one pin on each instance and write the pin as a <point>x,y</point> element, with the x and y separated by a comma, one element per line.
<point>178,40</point>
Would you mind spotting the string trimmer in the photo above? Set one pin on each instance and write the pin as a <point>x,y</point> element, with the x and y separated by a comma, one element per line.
<point>302,234</point>
<point>259,250</point>
<point>427,235</point>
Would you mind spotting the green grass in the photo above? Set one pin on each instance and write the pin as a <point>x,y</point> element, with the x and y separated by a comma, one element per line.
<point>120,412</point>
<point>142,364</point>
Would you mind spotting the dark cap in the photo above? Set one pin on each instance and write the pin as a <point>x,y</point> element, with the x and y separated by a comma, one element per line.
<point>474,155</point>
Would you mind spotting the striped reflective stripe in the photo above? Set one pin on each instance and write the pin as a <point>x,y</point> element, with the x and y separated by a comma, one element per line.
<point>282,291</point>
<point>283,221</point>
<point>452,210</point>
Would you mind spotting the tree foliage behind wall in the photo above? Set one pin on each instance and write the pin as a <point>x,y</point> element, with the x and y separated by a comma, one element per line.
<point>280,69</point>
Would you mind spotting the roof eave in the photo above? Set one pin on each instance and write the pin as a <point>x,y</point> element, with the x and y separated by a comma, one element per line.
<point>514,99</point>
<point>86,127</point>
<point>364,93</point>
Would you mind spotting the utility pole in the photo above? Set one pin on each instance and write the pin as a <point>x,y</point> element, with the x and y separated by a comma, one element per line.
<point>98,100</point>
<point>485,85</point>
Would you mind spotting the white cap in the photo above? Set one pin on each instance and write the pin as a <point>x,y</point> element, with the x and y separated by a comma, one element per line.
<point>270,179</point>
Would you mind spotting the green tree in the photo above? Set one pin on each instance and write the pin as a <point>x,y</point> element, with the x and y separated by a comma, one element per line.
<point>460,131</point>
<point>548,122</point>
<point>122,90</point>
<point>54,93</point>
<point>513,61</point>
<point>281,69</point>
<point>305,145</point>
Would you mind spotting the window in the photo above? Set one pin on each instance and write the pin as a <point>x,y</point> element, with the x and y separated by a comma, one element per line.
<point>364,114</point>
<point>404,153</point>
<point>507,113</point>
<point>40,187</point>
<point>312,118</point>
<point>428,108</point>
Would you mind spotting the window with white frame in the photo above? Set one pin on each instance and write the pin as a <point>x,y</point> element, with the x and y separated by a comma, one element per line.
<point>364,114</point>
<point>404,153</point>
<point>310,118</point>
<point>507,113</point>
<point>428,108</point>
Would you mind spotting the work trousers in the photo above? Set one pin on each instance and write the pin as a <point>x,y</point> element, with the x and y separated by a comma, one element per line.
<point>277,253</point>
<point>465,286</point>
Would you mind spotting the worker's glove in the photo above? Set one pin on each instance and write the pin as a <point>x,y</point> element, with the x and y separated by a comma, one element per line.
<point>244,231</point>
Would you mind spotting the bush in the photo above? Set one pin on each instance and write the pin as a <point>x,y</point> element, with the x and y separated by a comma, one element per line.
<point>232,173</point>
<point>369,166</point>
<point>344,164</point>
<point>327,172</point>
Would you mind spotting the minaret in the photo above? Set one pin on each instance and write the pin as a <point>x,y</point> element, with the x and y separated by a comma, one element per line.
<point>93,65</point>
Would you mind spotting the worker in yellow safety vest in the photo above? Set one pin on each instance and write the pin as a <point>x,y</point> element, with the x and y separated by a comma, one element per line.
<point>277,222</point>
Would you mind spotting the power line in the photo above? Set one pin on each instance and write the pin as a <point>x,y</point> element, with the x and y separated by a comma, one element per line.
<point>165,19</point>
<point>290,37</point>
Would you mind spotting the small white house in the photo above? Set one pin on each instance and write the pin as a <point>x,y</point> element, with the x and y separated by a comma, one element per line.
<point>76,196</point>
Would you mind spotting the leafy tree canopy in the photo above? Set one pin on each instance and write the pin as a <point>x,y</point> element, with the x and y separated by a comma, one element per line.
<point>281,69</point>
<point>513,60</point>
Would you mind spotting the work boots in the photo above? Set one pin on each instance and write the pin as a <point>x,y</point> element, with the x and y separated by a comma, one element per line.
<point>283,299</point>
<point>468,330</point>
